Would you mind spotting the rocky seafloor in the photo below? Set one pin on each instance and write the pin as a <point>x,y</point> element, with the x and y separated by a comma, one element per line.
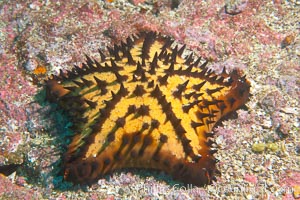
<point>259,150</point>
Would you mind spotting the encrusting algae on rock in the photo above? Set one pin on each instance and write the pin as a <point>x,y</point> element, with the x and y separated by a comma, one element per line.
<point>144,105</point>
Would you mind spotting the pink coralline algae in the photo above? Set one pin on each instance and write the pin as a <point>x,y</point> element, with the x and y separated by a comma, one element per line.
<point>251,178</point>
<point>228,135</point>
<point>9,190</point>
<point>14,99</point>
<point>136,2</point>
<point>290,178</point>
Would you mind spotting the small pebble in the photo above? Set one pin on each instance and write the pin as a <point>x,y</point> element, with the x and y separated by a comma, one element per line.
<point>288,40</point>
<point>31,64</point>
<point>249,196</point>
<point>267,124</point>
<point>272,147</point>
<point>234,7</point>
<point>121,191</point>
<point>297,149</point>
<point>258,147</point>
<point>34,6</point>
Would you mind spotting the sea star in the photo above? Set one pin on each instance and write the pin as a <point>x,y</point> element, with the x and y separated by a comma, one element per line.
<point>145,105</point>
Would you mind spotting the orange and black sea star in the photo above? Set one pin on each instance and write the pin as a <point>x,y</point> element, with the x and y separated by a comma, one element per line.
<point>145,105</point>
